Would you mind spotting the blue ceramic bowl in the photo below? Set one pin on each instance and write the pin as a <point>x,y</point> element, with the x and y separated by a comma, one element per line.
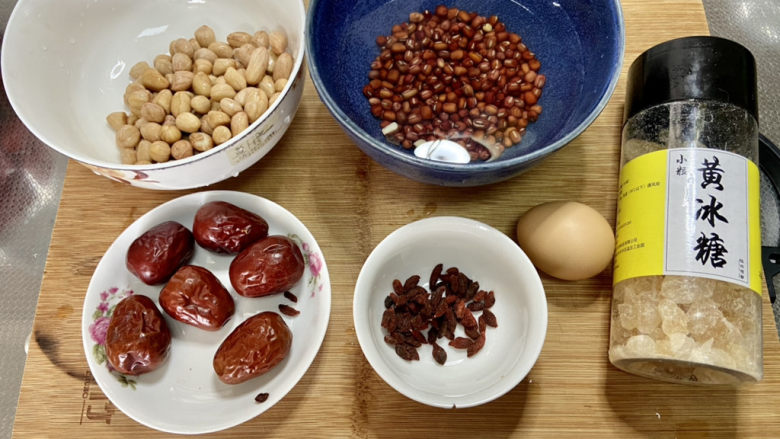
<point>579,43</point>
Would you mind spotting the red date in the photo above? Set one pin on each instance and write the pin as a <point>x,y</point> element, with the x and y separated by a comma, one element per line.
<point>226,228</point>
<point>269,266</point>
<point>196,297</point>
<point>253,348</point>
<point>154,256</point>
<point>138,339</point>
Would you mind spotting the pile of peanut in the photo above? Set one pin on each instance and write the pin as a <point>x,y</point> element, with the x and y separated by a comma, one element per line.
<point>201,95</point>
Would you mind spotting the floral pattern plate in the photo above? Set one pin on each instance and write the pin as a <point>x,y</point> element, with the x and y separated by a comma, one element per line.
<point>184,395</point>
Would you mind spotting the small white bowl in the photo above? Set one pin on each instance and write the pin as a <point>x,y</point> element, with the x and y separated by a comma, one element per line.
<point>65,68</point>
<point>485,255</point>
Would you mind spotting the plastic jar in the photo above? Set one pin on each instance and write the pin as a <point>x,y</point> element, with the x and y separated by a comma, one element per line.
<point>687,280</point>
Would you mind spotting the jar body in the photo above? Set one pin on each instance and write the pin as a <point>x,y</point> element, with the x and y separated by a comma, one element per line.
<point>684,323</point>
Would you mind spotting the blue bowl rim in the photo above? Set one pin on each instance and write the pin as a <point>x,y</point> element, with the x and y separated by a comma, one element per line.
<point>412,160</point>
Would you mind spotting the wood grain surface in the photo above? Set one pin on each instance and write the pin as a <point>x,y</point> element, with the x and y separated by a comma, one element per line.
<point>350,204</point>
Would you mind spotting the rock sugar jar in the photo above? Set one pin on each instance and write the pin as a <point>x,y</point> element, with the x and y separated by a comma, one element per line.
<point>687,276</point>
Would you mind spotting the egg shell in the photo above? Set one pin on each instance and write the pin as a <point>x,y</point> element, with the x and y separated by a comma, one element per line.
<point>566,239</point>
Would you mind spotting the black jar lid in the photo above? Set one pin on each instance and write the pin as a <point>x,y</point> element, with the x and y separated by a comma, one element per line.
<point>706,68</point>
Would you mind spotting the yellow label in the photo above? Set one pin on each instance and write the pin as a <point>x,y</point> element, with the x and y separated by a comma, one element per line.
<point>689,212</point>
<point>639,241</point>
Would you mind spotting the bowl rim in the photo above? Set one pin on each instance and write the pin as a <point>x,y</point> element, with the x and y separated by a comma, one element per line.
<point>411,160</point>
<point>362,324</point>
<point>26,120</point>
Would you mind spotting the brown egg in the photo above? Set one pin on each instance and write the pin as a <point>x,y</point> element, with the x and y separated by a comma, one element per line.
<point>566,239</point>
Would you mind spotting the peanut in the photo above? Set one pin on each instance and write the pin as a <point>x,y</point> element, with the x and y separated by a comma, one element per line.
<point>163,64</point>
<point>239,122</point>
<point>116,119</point>
<point>201,84</point>
<point>279,84</point>
<point>222,50</point>
<point>170,134</point>
<point>151,131</point>
<point>243,53</point>
<point>160,151</point>
<point>205,36</point>
<point>215,106</point>
<point>235,79</point>
<point>221,65</point>
<point>283,67</point>
<point>136,99</point>
<point>127,136</point>
<point>201,141</point>
<point>163,99</point>
<point>187,122</point>
<point>258,63</point>
<point>273,98</point>
<point>221,91</point>
<point>131,119</point>
<point>221,135</point>
<point>142,151</point>
<point>153,80</point>
<point>138,68</point>
<point>134,86</point>
<point>246,95</point>
<point>181,149</point>
<point>220,80</point>
<point>255,109</point>
<point>260,39</point>
<point>180,103</point>
<point>182,80</point>
<point>271,63</point>
<point>278,42</point>
<point>183,46</point>
<point>202,65</point>
<point>127,156</point>
<point>204,53</point>
<point>169,120</point>
<point>230,107</point>
<point>153,112</point>
<point>181,61</point>
<point>217,118</point>
<point>268,86</point>
<point>238,39</point>
<point>194,43</point>
<point>200,104</point>
<point>205,126</point>
<point>140,122</point>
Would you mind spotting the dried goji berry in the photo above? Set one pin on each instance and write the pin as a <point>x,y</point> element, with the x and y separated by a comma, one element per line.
<point>288,310</point>
<point>291,297</point>
<point>476,306</point>
<point>411,282</point>
<point>435,275</point>
<point>490,318</point>
<point>398,287</point>
<point>476,346</point>
<point>461,343</point>
<point>407,352</point>
<point>490,300</point>
<point>439,354</point>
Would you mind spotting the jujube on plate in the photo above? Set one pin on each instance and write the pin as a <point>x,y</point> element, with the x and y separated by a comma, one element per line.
<point>196,297</point>
<point>154,256</point>
<point>226,228</point>
<point>269,266</point>
<point>138,339</point>
<point>253,348</point>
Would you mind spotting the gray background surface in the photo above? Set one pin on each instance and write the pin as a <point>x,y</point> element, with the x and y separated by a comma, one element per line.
<point>31,178</point>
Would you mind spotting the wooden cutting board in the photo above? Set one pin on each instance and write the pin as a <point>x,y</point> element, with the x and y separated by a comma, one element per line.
<point>350,203</point>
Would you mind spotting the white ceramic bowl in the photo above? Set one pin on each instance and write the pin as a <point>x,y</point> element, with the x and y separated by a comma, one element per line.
<point>485,255</point>
<point>65,68</point>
